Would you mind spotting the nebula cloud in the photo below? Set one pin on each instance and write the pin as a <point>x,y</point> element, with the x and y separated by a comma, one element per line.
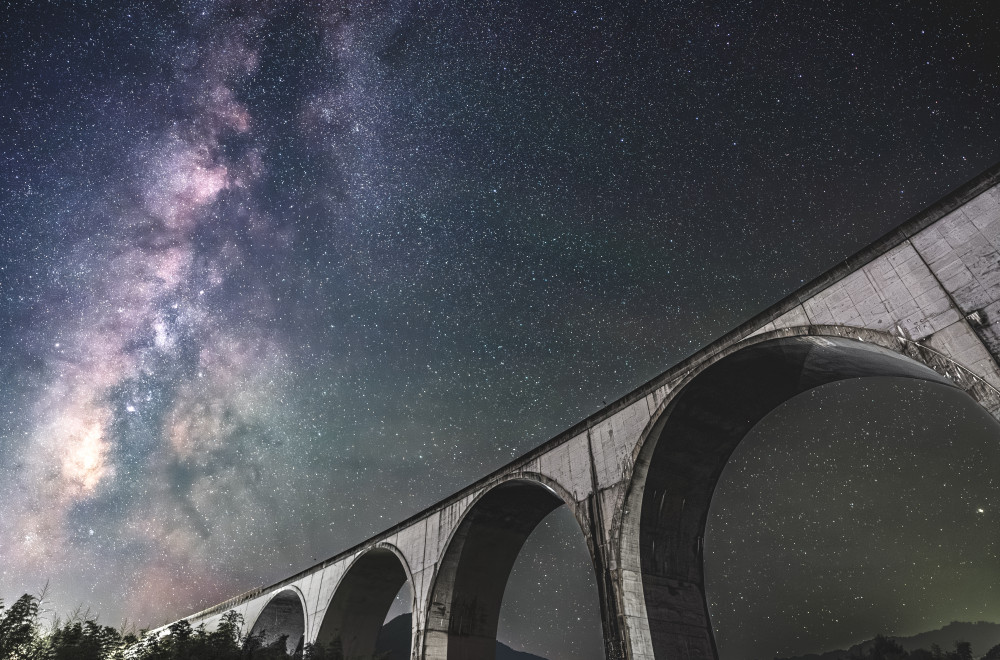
<point>150,387</point>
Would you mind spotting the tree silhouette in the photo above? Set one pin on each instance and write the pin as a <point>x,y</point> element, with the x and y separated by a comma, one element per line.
<point>18,628</point>
<point>81,637</point>
<point>884,648</point>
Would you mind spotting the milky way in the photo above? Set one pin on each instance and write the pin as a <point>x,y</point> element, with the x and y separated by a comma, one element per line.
<point>277,275</point>
<point>153,380</point>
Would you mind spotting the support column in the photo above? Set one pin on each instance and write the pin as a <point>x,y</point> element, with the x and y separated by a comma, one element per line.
<point>612,622</point>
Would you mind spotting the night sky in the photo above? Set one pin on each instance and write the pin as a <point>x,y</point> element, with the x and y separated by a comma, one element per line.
<point>274,276</point>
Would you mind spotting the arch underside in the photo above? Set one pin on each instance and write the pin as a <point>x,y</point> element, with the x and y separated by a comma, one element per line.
<point>360,604</point>
<point>468,592</point>
<point>282,617</point>
<point>703,426</point>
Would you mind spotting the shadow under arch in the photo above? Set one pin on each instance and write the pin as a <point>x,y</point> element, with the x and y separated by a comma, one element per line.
<point>362,600</point>
<point>687,445</point>
<point>467,592</point>
<point>283,616</point>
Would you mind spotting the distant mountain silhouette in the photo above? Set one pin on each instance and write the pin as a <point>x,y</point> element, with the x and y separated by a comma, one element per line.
<point>983,636</point>
<point>394,641</point>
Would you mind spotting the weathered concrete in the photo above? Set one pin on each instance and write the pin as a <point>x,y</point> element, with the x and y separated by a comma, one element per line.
<point>468,590</point>
<point>922,302</point>
<point>362,600</point>
<point>282,617</point>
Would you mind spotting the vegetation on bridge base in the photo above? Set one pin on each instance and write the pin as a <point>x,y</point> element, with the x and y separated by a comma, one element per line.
<point>81,637</point>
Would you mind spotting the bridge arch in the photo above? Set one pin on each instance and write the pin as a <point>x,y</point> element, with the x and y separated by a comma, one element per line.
<point>467,589</point>
<point>284,615</point>
<point>362,599</point>
<point>688,442</point>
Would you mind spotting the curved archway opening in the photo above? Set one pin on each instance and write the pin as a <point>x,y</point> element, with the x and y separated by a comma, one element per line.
<point>551,605</point>
<point>828,528</point>
<point>360,605</point>
<point>395,640</point>
<point>697,434</point>
<point>468,591</point>
<point>282,619</point>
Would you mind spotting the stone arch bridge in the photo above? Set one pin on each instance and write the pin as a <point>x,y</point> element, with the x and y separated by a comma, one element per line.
<point>922,302</point>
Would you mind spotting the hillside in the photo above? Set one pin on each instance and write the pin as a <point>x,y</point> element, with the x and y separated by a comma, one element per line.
<point>983,636</point>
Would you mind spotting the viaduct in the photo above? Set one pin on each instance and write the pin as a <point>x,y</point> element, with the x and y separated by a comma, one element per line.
<point>921,302</point>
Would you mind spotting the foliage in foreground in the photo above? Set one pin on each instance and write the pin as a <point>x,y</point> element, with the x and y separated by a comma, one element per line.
<point>81,637</point>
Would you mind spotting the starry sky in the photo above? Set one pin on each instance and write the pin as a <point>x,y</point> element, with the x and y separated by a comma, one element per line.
<point>827,529</point>
<point>256,257</point>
